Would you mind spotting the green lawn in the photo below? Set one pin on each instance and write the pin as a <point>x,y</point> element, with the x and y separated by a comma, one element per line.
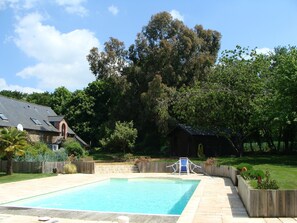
<point>22,176</point>
<point>283,169</point>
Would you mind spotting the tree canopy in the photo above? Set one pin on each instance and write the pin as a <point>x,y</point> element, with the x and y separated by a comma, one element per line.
<point>172,74</point>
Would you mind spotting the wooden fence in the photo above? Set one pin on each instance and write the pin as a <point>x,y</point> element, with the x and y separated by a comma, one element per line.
<point>267,203</point>
<point>47,167</point>
<point>154,167</point>
<point>212,170</point>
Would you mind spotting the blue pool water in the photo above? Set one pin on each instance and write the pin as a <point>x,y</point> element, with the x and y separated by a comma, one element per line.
<point>142,196</point>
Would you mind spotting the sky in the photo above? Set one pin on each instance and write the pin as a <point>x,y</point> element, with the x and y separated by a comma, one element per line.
<point>44,43</point>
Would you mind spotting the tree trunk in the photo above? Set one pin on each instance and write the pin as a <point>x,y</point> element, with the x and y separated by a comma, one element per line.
<point>9,170</point>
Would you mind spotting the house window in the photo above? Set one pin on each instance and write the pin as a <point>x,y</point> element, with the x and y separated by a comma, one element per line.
<point>47,122</point>
<point>64,131</point>
<point>3,117</point>
<point>36,121</point>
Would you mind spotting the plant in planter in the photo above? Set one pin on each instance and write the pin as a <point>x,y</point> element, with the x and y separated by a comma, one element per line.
<point>244,167</point>
<point>267,183</point>
<point>210,161</point>
<point>252,174</point>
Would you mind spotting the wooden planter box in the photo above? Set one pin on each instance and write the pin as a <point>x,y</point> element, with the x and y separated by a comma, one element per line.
<point>222,171</point>
<point>267,203</point>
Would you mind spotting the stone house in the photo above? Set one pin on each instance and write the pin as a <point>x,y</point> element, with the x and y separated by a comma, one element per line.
<point>41,122</point>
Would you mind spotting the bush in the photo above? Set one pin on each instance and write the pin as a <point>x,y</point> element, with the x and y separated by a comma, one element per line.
<point>242,165</point>
<point>267,183</point>
<point>61,155</point>
<point>252,174</point>
<point>70,168</point>
<point>37,152</point>
<point>73,147</point>
<point>122,138</point>
<point>128,157</point>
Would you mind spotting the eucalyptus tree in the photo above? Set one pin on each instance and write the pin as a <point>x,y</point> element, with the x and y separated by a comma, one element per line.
<point>165,56</point>
<point>167,47</point>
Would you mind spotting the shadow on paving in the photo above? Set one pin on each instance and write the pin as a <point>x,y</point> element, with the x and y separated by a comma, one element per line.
<point>87,215</point>
<point>236,205</point>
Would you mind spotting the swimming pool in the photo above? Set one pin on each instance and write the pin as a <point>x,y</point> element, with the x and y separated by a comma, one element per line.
<point>134,195</point>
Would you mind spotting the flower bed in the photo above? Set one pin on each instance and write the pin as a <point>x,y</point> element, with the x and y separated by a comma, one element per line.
<point>267,203</point>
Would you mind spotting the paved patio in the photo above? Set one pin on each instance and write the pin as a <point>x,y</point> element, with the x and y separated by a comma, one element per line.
<point>215,200</point>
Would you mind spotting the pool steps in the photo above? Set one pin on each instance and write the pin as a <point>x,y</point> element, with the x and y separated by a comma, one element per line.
<point>115,168</point>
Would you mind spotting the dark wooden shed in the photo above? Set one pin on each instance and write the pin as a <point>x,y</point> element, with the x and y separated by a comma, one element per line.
<point>184,141</point>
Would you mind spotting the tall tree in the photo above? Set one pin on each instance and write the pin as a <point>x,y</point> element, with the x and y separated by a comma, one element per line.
<point>109,62</point>
<point>226,102</point>
<point>59,98</point>
<point>39,98</point>
<point>80,113</point>
<point>156,102</point>
<point>166,55</point>
<point>169,48</point>
<point>284,85</point>
<point>13,94</point>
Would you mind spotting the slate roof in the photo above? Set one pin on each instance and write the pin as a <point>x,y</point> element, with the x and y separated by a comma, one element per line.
<point>196,131</point>
<point>56,118</point>
<point>21,112</point>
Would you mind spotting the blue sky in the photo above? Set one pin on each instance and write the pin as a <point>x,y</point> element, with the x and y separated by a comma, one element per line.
<point>44,43</point>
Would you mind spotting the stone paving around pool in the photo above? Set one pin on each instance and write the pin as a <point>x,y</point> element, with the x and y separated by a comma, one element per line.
<point>215,200</point>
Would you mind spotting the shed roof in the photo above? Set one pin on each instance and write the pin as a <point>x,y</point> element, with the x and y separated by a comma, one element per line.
<point>196,131</point>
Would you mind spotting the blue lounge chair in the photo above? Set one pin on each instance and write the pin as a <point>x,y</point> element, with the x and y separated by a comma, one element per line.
<point>184,165</point>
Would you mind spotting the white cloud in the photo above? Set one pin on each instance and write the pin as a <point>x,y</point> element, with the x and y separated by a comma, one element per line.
<point>18,4</point>
<point>264,50</point>
<point>29,90</point>
<point>73,6</point>
<point>176,15</point>
<point>113,10</point>
<point>61,56</point>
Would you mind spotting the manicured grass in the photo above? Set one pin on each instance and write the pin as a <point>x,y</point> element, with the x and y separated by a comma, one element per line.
<point>285,176</point>
<point>283,169</point>
<point>22,176</point>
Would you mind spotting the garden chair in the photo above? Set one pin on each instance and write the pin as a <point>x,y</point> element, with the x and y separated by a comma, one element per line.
<point>184,165</point>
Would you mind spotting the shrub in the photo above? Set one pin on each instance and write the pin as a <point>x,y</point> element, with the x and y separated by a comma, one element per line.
<point>128,157</point>
<point>210,161</point>
<point>122,138</point>
<point>255,174</point>
<point>144,159</point>
<point>200,151</point>
<point>267,183</point>
<point>252,174</point>
<point>70,168</point>
<point>60,155</point>
<point>242,165</point>
<point>73,147</point>
<point>37,152</point>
